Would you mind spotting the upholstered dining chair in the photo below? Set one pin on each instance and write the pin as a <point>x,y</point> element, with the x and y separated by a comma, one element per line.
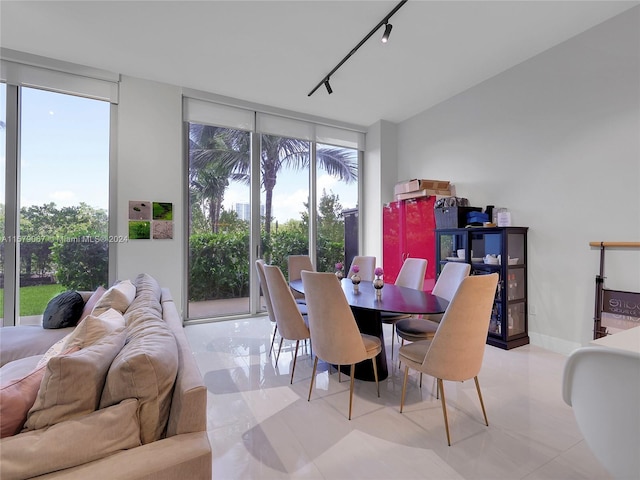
<point>335,336</point>
<point>602,386</point>
<point>455,352</point>
<point>367,265</point>
<point>295,265</point>
<point>260,264</point>
<point>416,329</point>
<point>411,275</point>
<point>289,320</point>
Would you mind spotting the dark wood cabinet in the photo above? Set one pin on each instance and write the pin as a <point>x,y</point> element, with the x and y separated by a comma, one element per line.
<point>488,250</point>
<point>408,231</point>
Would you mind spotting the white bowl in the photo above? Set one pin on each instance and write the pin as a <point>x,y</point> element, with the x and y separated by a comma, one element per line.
<point>513,261</point>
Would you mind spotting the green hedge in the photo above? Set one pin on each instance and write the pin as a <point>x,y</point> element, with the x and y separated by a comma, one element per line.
<point>218,261</point>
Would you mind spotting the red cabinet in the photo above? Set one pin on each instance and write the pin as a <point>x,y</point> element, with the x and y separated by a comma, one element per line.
<point>409,231</point>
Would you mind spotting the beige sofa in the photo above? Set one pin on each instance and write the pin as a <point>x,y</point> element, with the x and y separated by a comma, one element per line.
<point>150,421</point>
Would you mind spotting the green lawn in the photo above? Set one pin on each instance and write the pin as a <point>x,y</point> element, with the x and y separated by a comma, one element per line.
<point>33,300</point>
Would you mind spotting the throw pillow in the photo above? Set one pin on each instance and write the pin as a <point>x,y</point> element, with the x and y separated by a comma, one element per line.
<point>86,333</point>
<point>118,297</point>
<point>72,384</point>
<point>17,397</point>
<point>94,328</point>
<point>65,445</point>
<point>63,310</point>
<point>91,302</point>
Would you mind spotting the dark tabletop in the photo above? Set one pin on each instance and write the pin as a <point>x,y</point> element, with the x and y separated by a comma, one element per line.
<point>394,298</point>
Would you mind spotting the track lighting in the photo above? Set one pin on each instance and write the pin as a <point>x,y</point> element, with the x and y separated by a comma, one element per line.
<point>387,32</point>
<point>385,37</point>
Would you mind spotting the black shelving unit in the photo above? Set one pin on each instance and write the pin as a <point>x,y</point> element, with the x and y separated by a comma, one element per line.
<point>508,327</point>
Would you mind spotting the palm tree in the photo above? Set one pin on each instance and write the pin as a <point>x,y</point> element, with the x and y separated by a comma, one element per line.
<point>282,152</point>
<point>213,156</point>
<point>229,150</point>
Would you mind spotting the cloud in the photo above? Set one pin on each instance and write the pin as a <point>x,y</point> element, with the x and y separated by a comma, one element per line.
<point>64,197</point>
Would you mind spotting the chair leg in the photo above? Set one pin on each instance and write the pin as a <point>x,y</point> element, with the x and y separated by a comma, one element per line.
<point>275,330</point>
<point>420,379</point>
<point>444,409</point>
<point>313,377</point>
<point>375,375</point>
<point>339,374</point>
<point>401,345</point>
<point>279,348</point>
<point>393,334</point>
<point>353,371</point>
<point>295,356</point>
<point>404,387</point>
<point>481,402</point>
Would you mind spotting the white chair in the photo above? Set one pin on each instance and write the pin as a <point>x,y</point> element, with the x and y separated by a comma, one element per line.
<point>367,265</point>
<point>455,353</point>
<point>335,335</point>
<point>295,265</point>
<point>260,264</point>
<point>289,320</point>
<point>411,275</point>
<point>416,329</point>
<point>602,385</point>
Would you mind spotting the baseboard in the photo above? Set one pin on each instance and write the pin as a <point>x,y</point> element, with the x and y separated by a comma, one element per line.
<point>554,344</point>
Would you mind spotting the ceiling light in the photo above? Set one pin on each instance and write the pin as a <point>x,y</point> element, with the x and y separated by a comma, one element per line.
<point>385,37</point>
<point>387,32</point>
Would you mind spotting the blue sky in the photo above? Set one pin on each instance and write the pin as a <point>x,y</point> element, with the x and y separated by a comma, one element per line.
<point>64,149</point>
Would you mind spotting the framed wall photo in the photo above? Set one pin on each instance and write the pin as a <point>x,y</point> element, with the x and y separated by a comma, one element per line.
<point>162,211</point>
<point>150,220</point>
<point>139,210</point>
<point>162,230</point>
<point>139,230</point>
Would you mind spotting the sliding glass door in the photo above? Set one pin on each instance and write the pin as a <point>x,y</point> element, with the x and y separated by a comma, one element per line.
<point>336,199</point>
<point>219,221</point>
<point>59,196</point>
<point>260,186</point>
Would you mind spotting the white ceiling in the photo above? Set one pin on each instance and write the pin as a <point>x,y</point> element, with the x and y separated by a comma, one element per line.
<point>275,52</point>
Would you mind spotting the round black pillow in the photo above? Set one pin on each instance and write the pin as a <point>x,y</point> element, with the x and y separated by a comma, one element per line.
<point>63,310</point>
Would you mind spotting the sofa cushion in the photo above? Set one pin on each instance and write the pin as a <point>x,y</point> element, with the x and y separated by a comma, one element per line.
<point>63,310</point>
<point>68,444</point>
<point>27,340</point>
<point>72,384</point>
<point>16,398</point>
<point>18,395</point>
<point>91,302</point>
<point>19,368</point>
<point>118,297</point>
<point>86,333</point>
<point>147,365</point>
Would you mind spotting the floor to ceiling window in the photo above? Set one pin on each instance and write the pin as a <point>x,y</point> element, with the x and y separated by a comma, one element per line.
<point>55,191</point>
<point>336,203</point>
<point>259,184</point>
<point>219,221</point>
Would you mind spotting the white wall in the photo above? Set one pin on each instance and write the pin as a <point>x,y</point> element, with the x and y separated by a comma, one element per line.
<point>149,167</point>
<point>379,175</point>
<point>556,140</point>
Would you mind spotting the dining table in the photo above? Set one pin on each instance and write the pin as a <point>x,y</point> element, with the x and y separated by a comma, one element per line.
<point>367,308</point>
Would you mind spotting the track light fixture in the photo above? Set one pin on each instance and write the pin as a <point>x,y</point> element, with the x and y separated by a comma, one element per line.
<point>387,32</point>
<point>385,37</point>
<point>329,89</point>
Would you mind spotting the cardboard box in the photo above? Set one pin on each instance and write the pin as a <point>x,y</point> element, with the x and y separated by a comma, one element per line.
<point>421,184</point>
<point>423,193</point>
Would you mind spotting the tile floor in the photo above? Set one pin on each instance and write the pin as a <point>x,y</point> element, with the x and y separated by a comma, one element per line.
<point>260,426</point>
